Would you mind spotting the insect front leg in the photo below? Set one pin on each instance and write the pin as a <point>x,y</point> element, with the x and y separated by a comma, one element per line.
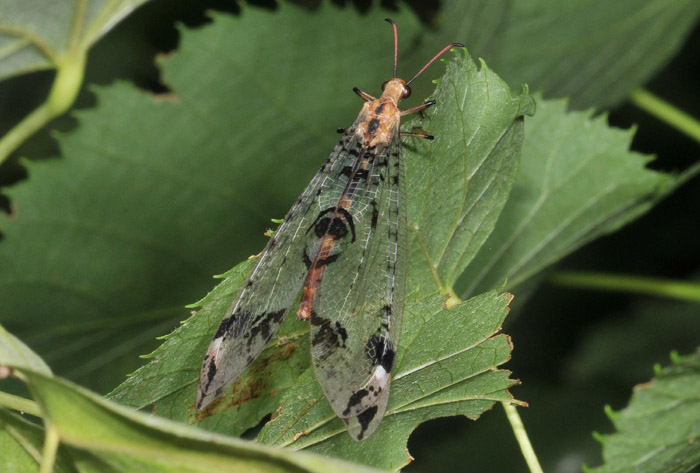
<point>418,108</point>
<point>365,96</point>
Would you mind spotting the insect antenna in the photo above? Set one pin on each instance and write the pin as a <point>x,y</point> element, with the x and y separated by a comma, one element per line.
<point>396,42</point>
<point>442,51</point>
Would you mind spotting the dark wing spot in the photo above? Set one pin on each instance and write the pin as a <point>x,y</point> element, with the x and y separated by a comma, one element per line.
<point>263,323</point>
<point>375,214</point>
<point>321,226</point>
<point>211,372</point>
<point>340,330</point>
<point>365,418</point>
<point>331,336</point>
<point>350,221</point>
<point>355,399</point>
<point>379,351</point>
<point>337,228</point>
<point>321,262</point>
<point>356,176</point>
<point>361,174</point>
<point>224,327</point>
<point>321,216</point>
<point>388,358</point>
<point>374,349</point>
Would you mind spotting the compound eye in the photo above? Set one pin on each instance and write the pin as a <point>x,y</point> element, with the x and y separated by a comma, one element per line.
<point>384,85</point>
<point>406,92</point>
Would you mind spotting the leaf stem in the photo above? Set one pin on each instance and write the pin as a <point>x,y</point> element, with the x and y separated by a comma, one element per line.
<point>666,112</point>
<point>672,289</point>
<point>20,404</point>
<point>521,436</point>
<point>48,457</point>
<point>65,88</point>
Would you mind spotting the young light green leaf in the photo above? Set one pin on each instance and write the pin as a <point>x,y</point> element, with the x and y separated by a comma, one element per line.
<point>658,431</point>
<point>13,352</point>
<point>594,52</point>
<point>103,435</point>
<point>577,181</point>
<point>39,35</point>
<point>21,444</point>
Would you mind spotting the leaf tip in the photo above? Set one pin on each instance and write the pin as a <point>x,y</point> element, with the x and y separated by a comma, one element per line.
<point>610,413</point>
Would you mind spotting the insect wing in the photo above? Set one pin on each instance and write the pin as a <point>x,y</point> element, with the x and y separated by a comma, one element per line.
<point>273,285</point>
<point>355,328</point>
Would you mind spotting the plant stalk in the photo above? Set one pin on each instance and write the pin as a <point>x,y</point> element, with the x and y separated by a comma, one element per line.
<point>64,90</point>
<point>669,288</point>
<point>17,403</point>
<point>48,457</point>
<point>516,424</point>
<point>666,112</point>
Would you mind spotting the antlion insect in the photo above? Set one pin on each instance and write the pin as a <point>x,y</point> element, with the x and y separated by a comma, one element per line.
<point>343,241</point>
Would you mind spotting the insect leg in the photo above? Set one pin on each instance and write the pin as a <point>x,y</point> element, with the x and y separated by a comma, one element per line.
<point>418,108</point>
<point>365,96</point>
<point>418,133</point>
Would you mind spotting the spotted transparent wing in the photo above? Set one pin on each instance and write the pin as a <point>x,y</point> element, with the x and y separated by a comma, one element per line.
<point>359,305</point>
<point>274,284</point>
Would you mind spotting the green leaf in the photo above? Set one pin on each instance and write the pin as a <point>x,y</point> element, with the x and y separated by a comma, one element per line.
<point>595,52</point>
<point>41,35</point>
<point>21,443</point>
<point>659,430</point>
<point>458,184</point>
<point>107,435</point>
<point>577,181</point>
<point>14,352</point>
<point>104,436</point>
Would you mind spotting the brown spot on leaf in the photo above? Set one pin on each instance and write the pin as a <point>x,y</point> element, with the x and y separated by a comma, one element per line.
<point>245,392</point>
<point>289,350</point>
<point>277,414</point>
<point>210,409</point>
